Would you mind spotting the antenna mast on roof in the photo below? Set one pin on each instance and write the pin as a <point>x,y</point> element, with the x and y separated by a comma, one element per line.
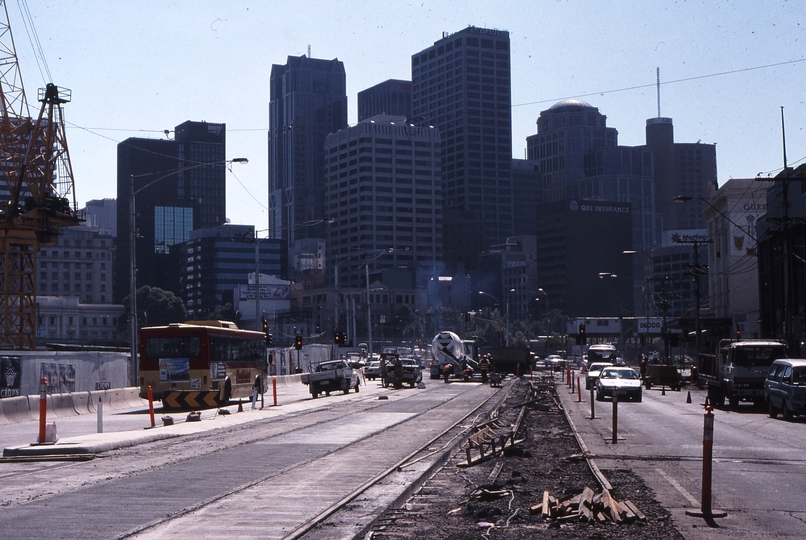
<point>657,74</point>
<point>309,51</point>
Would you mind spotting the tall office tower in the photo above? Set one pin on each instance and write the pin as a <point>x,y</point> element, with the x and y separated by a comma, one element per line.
<point>528,193</point>
<point>687,169</point>
<point>307,101</point>
<point>392,97</point>
<point>383,192</point>
<point>174,194</point>
<point>461,85</point>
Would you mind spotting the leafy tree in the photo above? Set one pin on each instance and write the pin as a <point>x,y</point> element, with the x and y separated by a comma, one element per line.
<point>226,313</point>
<point>155,307</point>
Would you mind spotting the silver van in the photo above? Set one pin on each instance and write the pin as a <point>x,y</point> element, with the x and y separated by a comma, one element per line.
<point>785,388</point>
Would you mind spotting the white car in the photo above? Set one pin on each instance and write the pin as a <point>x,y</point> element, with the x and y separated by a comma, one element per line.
<point>621,381</point>
<point>593,373</point>
<point>555,362</point>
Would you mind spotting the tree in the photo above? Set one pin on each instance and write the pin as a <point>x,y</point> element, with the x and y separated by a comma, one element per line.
<point>155,307</point>
<point>226,313</point>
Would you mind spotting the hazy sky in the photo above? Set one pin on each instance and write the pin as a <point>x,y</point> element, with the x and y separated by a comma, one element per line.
<point>137,68</point>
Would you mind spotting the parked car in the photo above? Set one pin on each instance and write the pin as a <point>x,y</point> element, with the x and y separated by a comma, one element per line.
<point>785,388</point>
<point>593,373</point>
<point>372,371</point>
<point>621,381</point>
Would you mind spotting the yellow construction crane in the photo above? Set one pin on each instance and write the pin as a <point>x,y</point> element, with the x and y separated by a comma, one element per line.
<point>37,191</point>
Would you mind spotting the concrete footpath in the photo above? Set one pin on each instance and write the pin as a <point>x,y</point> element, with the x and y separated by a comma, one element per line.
<point>118,433</point>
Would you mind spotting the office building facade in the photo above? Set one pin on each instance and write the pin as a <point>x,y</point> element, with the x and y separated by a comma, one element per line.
<point>383,191</point>
<point>392,97</point>
<point>462,86</point>
<point>179,186</point>
<point>307,101</point>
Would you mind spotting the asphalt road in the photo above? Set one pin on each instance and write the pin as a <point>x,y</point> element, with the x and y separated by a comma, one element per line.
<point>261,479</point>
<point>759,465</point>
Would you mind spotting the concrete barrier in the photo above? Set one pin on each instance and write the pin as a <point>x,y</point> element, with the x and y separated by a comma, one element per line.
<point>16,409</point>
<point>81,402</point>
<point>62,405</point>
<point>132,397</point>
<point>115,398</point>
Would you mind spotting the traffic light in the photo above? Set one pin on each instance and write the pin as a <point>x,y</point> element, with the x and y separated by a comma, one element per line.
<point>581,329</point>
<point>338,339</point>
<point>265,325</point>
<point>269,340</point>
<point>298,342</point>
<point>582,337</point>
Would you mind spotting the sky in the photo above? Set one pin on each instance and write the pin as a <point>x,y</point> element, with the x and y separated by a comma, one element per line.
<point>137,69</point>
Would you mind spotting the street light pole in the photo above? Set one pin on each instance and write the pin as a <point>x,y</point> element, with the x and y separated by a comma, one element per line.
<point>133,252</point>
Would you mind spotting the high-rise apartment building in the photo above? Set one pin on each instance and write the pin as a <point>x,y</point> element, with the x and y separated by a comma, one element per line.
<point>308,100</point>
<point>461,85</point>
<point>383,191</point>
<point>392,97</point>
<point>175,193</point>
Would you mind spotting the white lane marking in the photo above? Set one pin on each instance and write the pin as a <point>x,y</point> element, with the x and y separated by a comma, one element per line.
<point>679,488</point>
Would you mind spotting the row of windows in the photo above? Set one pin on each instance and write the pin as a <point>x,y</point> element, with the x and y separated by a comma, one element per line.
<point>76,254</point>
<point>85,321</point>
<point>66,276</point>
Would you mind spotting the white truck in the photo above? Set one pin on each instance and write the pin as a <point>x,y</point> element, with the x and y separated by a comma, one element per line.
<point>449,348</point>
<point>331,376</point>
<point>738,369</point>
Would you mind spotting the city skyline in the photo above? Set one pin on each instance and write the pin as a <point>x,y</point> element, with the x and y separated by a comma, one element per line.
<point>214,65</point>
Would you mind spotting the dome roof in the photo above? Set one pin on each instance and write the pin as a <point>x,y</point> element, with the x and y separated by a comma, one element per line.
<point>571,104</point>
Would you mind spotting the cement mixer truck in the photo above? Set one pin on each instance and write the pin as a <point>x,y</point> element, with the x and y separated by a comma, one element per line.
<point>449,348</point>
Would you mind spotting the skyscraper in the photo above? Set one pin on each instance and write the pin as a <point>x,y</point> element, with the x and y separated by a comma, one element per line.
<point>461,85</point>
<point>390,200</point>
<point>175,194</point>
<point>391,97</point>
<point>308,100</point>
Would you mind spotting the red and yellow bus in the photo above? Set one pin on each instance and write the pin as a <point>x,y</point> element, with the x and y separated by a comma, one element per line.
<point>202,356</point>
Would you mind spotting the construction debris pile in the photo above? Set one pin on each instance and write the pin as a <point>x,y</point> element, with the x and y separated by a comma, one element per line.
<point>500,484</point>
<point>586,506</point>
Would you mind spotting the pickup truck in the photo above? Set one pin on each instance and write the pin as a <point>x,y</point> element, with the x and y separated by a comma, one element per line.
<point>412,373</point>
<point>331,376</point>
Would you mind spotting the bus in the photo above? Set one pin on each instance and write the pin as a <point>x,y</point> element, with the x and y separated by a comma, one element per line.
<point>601,352</point>
<point>214,360</point>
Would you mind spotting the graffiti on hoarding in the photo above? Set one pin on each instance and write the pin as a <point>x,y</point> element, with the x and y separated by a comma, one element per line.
<point>10,375</point>
<point>61,377</point>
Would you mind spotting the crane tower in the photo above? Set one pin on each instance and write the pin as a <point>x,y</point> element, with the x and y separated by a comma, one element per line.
<point>37,180</point>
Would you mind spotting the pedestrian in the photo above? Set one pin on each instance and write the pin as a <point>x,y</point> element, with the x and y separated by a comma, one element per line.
<point>446,371</point>
<point>484,367</point>
<point>398,372</point>
<point>383,371</point>
<point>643,366</point>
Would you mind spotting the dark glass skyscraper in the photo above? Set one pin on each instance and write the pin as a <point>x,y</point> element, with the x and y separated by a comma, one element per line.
<point>462,86</point>
<point>175,194</point>
<point>308,100</point>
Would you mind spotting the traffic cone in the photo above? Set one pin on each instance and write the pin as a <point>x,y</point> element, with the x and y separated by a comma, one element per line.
<point>688,397</point>
<point>240,406</point>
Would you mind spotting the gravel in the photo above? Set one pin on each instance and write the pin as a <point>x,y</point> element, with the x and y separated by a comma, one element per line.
<point>492,498</point>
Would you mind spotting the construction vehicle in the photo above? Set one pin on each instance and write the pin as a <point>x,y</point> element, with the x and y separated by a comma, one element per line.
<point>736,371</point>
<point>38,179</point>
<point>330,376</point>
<point>449,348</point>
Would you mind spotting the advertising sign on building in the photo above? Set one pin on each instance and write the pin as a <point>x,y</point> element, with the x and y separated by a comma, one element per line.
<point>268,291</point>
<point>650,325</point>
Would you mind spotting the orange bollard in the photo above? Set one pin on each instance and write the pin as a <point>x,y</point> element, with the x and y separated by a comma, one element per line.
<point>43,408</point>
<point>274,389</point>
<point>151,406</point>
<point>568,378</point>
<point>706,512</point>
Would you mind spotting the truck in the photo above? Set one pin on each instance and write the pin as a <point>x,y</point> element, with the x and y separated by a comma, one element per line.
<point>449,348</point>
<point>737,369</point>
<point>330,376</point>
<point>411,372</point>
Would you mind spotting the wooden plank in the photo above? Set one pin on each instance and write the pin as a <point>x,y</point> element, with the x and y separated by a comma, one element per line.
<point>546,512</point>
<point>634,509</point>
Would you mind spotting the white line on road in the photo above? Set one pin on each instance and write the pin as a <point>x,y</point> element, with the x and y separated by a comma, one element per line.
<point>679,488</point>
